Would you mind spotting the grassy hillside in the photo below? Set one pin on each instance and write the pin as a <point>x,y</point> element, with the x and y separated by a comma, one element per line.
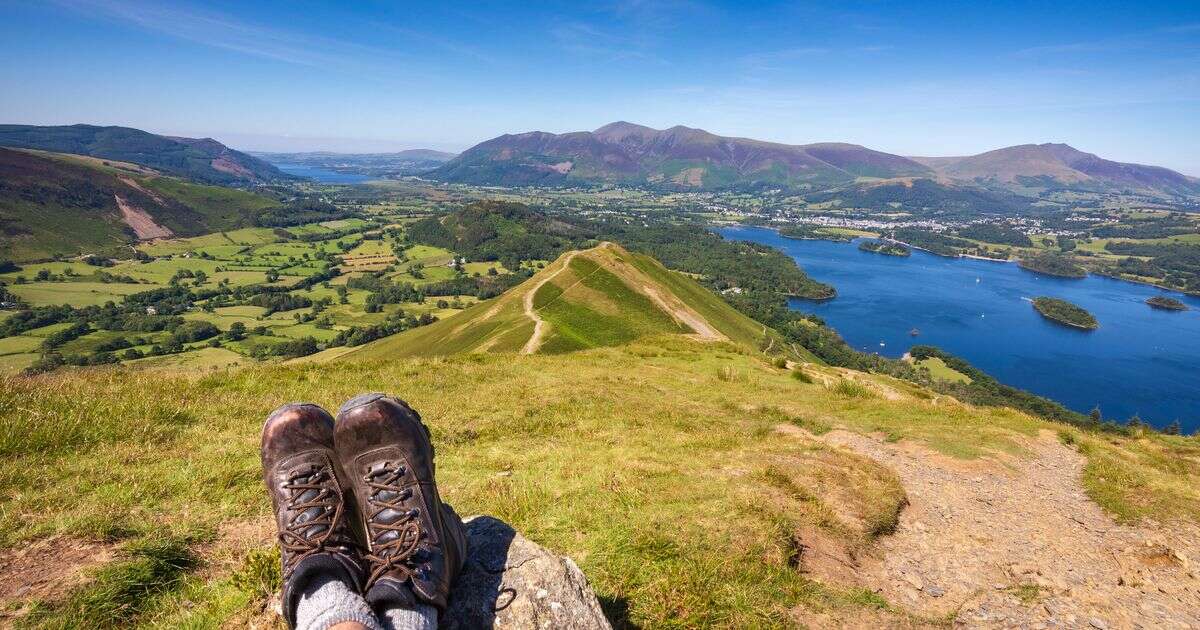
<point>54,204</point>
<point>201,159</point>
<point>604,296</point>
<point>687,479</point>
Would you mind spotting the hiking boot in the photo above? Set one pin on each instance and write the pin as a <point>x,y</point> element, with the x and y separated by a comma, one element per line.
<point>415,544</point>
<point>315,538</point>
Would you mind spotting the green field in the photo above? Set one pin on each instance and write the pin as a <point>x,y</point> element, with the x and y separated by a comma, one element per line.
<point>75,293</point>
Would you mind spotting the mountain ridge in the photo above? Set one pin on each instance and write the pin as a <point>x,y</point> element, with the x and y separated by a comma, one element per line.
<point>688,158</point>
<point>201,159</point>
<point>679,157</point>
<point>596,297</point>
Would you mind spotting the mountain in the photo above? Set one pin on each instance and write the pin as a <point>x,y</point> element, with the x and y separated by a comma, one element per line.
<point>69,204</point>
<point>1060,165</point>
<point>603,296</point>
<point>676,158</point>
<point>205,159</point>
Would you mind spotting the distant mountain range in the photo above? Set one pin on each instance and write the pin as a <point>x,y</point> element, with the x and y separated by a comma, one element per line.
<point>204,160</point>
<point>679,157</point>
<point>1041,165</point>
<point>683,158</point>
<point>398,163</point>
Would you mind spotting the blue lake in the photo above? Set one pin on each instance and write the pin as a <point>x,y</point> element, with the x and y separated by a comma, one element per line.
<point>1141,360</point>
<point>322,175</point>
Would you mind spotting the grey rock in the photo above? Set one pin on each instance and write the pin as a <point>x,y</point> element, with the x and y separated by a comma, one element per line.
<point>935,591</point>
<point>511,582</point>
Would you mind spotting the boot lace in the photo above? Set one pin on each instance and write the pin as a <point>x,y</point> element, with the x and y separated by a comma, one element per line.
<point>396,553</point>
<point>308,488</point>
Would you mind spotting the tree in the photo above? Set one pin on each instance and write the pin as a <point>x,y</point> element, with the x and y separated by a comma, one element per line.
<point>237,331</point>
<point>272,275</point>
<point>1173,429</point>
<point>1095,414</point>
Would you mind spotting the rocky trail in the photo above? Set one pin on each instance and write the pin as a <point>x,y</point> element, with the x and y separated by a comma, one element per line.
<point>1015,542</point>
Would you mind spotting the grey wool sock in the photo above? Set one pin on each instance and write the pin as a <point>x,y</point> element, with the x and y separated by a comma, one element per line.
<point>329,601</point>
<point>422,617</point>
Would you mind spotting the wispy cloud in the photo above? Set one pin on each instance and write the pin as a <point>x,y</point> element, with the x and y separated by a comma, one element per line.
<point>226,32</point>
<point>1156,38</point>
<point>585,39</point>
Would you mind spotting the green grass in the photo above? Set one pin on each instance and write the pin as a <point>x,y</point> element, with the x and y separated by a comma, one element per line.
<point>611,313</point>
<point>670,486</point>
<point>939,370</point>
<point>75,293</point>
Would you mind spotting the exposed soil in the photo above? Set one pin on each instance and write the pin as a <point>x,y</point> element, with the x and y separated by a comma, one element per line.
<point>684,315</point>
<point>1015,542</point>
<point>142,223</point>
<point>46,570</point>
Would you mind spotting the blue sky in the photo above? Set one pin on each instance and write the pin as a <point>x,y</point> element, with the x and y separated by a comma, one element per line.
<point>1120,79</point>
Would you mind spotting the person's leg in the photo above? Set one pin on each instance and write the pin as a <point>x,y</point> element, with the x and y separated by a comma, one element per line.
<point>416,544</point>
<point>322,568</point>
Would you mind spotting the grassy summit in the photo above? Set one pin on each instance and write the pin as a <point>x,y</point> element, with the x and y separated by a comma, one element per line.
<point>1064,312</point>
<point>603,296</point>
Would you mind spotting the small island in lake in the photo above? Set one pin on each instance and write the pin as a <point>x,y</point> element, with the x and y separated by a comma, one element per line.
<point>886,248</point>
<point>1065,313</point>
<point>1053,265</point>
<point>1166,303</point>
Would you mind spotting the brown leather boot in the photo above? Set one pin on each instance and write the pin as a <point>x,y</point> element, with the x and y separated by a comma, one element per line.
<point>315,538</point>
<point>416,545</point>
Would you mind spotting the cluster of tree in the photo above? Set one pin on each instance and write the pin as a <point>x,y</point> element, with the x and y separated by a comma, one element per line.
<point>277,301</point>
<point>1053,265</point>
<point>887,248</point>
<point>722,264</point>
<point>1166,303</point>
<point>933,242</point>
<point>1178,264</point>
<point>925,197</point>
<point>395,323</point>
<point>299,212</point>
<point>985,390</point>
<point>1065,312</point>
<point>995,233</point>
<point>1153,227</point>
<point>502,231</point>
<point>482,287</point>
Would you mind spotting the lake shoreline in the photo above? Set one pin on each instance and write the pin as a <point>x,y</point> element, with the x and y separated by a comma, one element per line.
<point>1140,361</point>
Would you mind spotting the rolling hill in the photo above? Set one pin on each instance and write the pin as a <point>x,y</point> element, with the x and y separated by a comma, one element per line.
<point>675,158</point>
<point>203,159</point>
<point>67,204</point>
<point>603,296</point>
<point>1060,165</point>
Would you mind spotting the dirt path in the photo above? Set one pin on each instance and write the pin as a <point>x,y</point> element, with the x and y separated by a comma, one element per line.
<point>1017,543</point>
<point>142,223</point>
<point>539,324</point>
<point>682,314</point>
